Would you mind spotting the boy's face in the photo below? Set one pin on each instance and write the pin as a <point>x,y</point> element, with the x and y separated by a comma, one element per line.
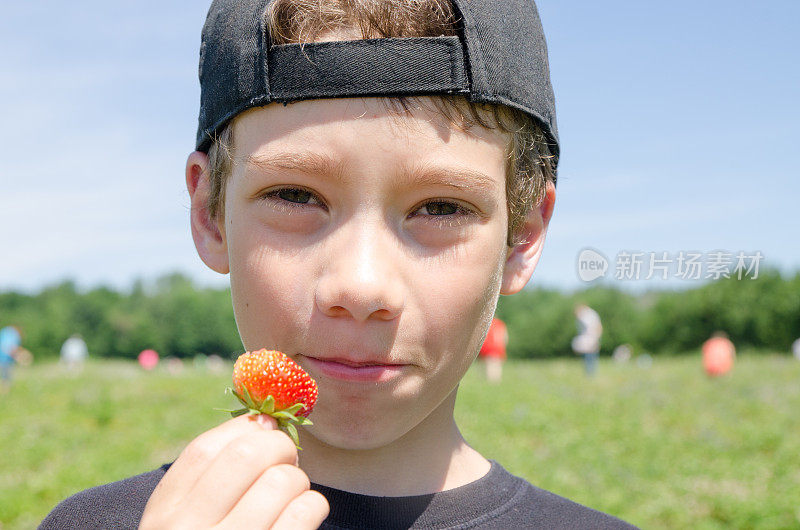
<point>368,247</point>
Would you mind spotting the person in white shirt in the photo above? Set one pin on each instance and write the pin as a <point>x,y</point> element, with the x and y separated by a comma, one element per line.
<point>74,352</point>
<point>587,341</point>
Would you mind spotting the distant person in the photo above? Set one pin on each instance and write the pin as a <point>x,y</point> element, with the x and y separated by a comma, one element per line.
<point>148,359</point>
<point>215,364</point>
<point>587,342</point>
<point>644,360</point>
<point>199,361</point>
<point>718,354</point>
<point>622,353</point>
<point>493,351</point>
<point>174,365</point>
<point>74,352</point>
<point>23,357</point>
<point>10,343</point>
<point>796,349</point>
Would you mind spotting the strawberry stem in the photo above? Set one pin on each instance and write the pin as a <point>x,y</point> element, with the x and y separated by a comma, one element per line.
<point>286,418</point>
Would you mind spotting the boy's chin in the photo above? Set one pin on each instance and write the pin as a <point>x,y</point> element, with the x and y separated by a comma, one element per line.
<point>351,436</point>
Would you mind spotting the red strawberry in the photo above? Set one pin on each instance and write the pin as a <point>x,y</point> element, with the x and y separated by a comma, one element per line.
<point>269,382</point>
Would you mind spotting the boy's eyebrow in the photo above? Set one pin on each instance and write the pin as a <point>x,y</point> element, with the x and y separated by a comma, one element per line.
<point>459,178</point>
<point>305,161</point>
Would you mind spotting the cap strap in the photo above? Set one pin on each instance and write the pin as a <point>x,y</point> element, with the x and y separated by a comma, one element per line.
<point>371,67</point>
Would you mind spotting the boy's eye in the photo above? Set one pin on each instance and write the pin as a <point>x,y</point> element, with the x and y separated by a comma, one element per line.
<point>444,214</point>
<point>294,195</point>
<point>292,198</point>
<point>441,208</point>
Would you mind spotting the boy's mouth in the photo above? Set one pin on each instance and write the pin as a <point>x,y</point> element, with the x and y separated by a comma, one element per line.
<point>355,371</point>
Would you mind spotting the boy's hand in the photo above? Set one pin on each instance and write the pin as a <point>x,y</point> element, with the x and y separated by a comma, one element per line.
<point>242,474</point>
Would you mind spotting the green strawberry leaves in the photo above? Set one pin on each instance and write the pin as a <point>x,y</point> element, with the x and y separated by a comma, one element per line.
<point>286,418</point>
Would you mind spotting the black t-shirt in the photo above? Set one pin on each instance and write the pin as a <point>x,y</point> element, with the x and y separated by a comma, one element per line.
<point>498,500</point>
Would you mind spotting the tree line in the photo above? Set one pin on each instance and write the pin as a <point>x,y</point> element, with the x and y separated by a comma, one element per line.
<point>177,318</point>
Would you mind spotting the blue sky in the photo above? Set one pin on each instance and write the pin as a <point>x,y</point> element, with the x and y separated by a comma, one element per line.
<point>679,123</point>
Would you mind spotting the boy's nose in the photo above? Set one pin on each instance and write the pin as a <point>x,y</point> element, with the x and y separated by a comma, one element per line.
<point>361,274</point>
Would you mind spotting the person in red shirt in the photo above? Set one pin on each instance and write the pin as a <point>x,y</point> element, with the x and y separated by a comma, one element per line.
<point>718,354</point>
<point>493,351</point>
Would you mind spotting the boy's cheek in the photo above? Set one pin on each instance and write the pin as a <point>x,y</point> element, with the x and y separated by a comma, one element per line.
<point>270,300</point>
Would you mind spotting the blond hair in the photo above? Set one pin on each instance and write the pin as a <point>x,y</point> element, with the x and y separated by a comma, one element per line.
<point>529,162</point>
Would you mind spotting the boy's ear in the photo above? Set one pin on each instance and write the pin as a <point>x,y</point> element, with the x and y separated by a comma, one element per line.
<point>521,259</point>
<point>208,233</point>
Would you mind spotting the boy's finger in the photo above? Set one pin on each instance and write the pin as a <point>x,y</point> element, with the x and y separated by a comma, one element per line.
<point>267,497</point>
<point>305,512</point>
<point>237,467</point>
<point>197,457</point>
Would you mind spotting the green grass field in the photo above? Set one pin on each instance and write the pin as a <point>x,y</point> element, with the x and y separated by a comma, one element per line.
<point>663,447</point>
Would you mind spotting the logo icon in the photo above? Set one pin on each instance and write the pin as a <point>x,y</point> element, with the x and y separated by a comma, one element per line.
<point>592,264</point>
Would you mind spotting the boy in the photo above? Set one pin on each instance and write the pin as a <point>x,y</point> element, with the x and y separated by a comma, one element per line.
<point>369,224</point>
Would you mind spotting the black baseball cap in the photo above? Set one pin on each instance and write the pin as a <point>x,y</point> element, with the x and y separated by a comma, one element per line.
<point>498,56</point>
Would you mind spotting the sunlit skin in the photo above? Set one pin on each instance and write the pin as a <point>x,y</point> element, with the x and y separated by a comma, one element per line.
<point>353,234</point>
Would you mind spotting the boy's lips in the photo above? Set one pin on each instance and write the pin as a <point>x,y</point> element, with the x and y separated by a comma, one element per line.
<point>373,371</point>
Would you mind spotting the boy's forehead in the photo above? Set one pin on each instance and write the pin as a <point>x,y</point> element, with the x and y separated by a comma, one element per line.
<point>321,121</point>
